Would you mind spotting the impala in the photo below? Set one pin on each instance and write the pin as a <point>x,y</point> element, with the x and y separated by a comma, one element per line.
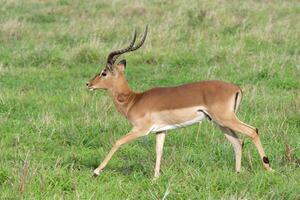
<point>164,108</point>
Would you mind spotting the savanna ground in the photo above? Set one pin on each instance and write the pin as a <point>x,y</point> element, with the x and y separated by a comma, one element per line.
<point>54,131</point>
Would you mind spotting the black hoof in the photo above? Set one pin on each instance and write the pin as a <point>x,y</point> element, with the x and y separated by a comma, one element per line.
<point>266,160</point>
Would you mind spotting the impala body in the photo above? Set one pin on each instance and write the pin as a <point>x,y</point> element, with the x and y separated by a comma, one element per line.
<point>161,109</point>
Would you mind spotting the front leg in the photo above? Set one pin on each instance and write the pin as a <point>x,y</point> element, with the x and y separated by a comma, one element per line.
<point>160,138</point>
<point>132,135</point>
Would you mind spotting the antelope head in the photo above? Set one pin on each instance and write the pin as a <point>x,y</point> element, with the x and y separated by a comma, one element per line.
<point>112,74</point>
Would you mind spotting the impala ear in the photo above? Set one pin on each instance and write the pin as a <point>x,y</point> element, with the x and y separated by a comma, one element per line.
<point>122,65</point>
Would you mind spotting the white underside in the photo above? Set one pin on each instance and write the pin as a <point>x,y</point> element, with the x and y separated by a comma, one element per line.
<point>159,128</point>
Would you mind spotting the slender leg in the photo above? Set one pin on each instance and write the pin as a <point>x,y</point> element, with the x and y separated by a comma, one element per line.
<point>237,146</point>
<point>251,132</point>
<point>134,134</point>
<point>160,138</point>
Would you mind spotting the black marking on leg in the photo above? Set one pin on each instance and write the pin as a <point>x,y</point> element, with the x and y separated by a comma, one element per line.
<point>95,175</point>
<point>266,160</point>
<point>256,129</point>
<point>243,143</point>
<point>206,115</point>
<point>235,101</point>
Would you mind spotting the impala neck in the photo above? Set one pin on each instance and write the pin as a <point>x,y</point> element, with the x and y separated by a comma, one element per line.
<point>122,95</point>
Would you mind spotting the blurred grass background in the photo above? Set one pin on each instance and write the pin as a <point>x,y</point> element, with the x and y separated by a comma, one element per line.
<point>53,132</point>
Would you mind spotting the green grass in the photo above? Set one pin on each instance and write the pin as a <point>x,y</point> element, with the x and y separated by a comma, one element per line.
<point>53,132</point>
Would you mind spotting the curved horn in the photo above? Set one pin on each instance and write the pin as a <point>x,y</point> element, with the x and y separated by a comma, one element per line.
<point>142,41</point>
<point>134,48</point>
<point>110,58</point>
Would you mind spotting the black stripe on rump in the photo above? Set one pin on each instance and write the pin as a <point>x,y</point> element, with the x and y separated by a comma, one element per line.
<point>235,101</point>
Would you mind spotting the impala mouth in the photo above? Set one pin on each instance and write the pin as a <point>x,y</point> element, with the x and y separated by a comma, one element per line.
<point>91,88</point>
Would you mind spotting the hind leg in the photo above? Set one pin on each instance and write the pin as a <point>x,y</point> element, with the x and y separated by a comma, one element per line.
<point>237,146</point>
<point>235,124</point>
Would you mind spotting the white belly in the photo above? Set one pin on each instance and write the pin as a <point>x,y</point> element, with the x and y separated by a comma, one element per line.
<point>196,118</point>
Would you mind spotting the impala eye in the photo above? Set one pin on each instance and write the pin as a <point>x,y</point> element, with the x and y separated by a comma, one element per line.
<point>103,73</point>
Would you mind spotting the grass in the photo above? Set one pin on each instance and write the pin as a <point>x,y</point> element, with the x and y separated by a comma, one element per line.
<point>53,132</point>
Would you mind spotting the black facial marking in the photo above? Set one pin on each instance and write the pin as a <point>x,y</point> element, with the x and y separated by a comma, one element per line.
<point>205,114</point>
<point>266,160</point>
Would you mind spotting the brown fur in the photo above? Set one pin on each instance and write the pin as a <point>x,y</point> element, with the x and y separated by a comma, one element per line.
<point>166,106</point>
